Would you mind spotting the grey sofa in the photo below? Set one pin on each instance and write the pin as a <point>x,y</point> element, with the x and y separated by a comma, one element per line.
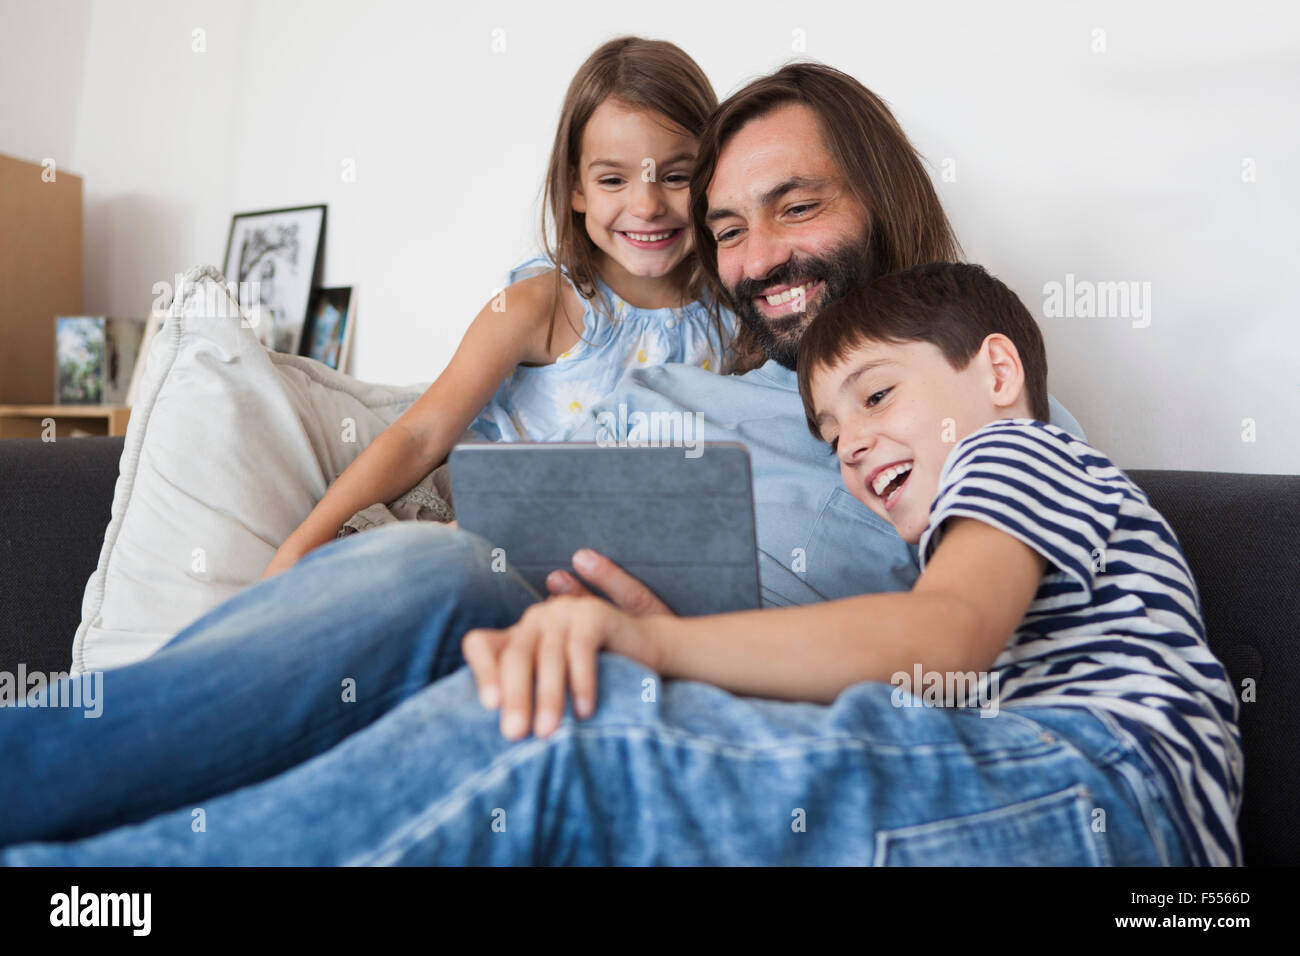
<point>1239,533</point>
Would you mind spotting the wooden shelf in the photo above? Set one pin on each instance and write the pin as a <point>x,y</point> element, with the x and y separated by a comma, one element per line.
<point>26,421</point>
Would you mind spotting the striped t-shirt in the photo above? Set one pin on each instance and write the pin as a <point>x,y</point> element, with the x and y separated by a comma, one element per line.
<point>1116,622</point>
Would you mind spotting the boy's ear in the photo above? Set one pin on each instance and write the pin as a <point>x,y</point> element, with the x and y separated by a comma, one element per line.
<point>1008,381</point>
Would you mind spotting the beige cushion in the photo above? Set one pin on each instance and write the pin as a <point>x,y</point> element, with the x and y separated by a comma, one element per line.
<point>228,449</point>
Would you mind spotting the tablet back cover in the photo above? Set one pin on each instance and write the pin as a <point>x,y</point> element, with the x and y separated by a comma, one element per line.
<point>684,526</point>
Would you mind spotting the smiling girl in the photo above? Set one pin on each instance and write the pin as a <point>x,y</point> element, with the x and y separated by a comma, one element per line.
<point>627,291</point>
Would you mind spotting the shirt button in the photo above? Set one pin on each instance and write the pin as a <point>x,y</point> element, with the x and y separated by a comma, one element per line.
<point>671,323</point>
<point>1046,738</point>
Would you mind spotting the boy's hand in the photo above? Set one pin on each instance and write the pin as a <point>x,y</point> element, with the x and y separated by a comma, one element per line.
<point>555,638</point>
<point>624,590</point>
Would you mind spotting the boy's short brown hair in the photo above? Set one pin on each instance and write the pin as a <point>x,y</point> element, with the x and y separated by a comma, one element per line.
<point>953,305</point>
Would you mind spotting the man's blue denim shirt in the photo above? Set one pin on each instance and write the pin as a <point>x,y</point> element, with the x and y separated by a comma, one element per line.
<point>816,541</point>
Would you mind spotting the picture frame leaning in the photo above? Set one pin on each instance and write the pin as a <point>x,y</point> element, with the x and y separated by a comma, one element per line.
<point>274,259</point>
<point>327,337</point>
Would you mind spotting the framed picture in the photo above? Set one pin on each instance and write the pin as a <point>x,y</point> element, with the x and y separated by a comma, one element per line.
<point>328,336</point>
<point>274,258</point>
<point>94,358</point>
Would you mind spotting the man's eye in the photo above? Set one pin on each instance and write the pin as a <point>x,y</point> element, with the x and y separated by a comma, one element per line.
<point>795,210</point>
<point>877,397</point>
<point>724,236</point>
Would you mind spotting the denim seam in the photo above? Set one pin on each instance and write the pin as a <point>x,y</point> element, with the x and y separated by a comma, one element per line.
<point>832,740</point>
<point>816,522</point>
<point>1137,788</point>
<point>1150,777</point>
<point>1120,757</point>
<point>1120,745</point>
<point>872,520</point>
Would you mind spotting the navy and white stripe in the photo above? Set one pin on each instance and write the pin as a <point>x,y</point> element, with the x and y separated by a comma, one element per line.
<point>1116,622</point>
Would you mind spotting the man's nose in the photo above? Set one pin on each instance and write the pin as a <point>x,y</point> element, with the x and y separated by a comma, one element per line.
<point>764,252</point>
<point>647,200</point>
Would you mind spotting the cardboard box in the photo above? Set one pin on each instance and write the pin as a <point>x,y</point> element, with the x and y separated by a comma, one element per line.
<point>40,272</point>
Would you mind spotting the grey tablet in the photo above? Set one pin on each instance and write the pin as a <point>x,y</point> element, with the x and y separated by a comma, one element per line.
<point>683,525</point>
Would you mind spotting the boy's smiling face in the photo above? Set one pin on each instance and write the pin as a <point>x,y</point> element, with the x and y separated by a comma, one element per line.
<point>893,411</point>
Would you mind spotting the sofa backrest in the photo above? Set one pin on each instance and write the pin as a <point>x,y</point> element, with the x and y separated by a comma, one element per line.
<point>55,502</point>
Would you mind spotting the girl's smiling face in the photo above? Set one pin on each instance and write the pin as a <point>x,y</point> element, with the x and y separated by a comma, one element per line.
<point>893,412</point>
<point>641,226</point>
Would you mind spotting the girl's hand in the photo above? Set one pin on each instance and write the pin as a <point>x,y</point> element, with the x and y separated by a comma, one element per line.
<point>554,638</point>
<point>284,558</point>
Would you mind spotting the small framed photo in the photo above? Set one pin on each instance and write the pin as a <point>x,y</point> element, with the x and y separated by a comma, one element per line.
<point>328,335</point>
<point>274,259</point>
<point>94,358</point>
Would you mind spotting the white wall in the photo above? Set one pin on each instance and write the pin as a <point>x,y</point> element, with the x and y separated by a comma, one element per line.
<point>42,61</point>
<point>1121,165</point>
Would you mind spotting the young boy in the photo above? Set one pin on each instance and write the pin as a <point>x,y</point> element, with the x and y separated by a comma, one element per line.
<point>1042,565</point>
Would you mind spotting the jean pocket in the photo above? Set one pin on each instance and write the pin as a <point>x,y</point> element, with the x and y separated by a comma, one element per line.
<point>1053,830</point>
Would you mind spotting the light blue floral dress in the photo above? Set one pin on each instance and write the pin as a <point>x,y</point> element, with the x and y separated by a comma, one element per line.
<point>543,403</point>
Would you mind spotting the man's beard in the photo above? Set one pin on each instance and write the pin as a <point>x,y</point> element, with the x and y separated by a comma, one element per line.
<point>845,268</point>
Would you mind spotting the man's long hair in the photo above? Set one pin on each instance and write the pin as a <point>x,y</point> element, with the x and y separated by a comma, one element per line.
<point>908,226</point>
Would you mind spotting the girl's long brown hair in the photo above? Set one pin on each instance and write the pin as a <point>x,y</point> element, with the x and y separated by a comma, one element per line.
<point>872,153</point>
<point>648,74</point>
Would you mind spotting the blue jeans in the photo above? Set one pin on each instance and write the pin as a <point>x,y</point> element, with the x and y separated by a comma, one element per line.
<point>240,743</point>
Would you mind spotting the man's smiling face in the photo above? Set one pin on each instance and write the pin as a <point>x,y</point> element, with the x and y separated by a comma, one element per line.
<point>791,236</point>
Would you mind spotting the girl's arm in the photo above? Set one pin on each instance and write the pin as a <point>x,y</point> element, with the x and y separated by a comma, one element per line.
<point>423,435</point>
<point>957,618</point>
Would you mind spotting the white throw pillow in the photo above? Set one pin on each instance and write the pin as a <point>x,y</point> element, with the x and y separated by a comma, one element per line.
<point>228,449</point>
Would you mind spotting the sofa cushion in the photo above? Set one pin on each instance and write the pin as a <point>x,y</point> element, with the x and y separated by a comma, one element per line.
<point>228,449</point>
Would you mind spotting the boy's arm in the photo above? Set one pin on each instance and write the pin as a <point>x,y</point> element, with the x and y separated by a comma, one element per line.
<point>958,617</point>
